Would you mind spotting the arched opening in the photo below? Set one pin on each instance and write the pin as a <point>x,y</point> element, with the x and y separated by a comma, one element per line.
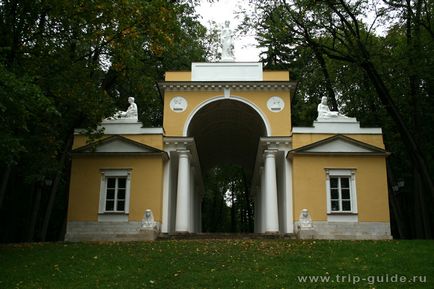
<point>227,134</point>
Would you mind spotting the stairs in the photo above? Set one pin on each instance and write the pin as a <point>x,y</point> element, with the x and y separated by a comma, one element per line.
<point>225,236</point>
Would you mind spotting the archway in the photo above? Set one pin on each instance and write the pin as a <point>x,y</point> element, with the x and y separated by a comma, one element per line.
<point>227,134</point>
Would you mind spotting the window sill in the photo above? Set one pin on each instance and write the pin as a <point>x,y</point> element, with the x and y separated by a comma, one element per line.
<point>113,217</point>
<point>343,217</point>
<point>342,213</point>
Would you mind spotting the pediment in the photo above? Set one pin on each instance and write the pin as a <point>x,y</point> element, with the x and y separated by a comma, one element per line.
<point>116,144</point>
<point>339,144</point>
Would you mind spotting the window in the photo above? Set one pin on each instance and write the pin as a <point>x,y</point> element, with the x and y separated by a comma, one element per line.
<point>340,194</point>
<point>341,191</point>
<point>115,194</point>
<point>114,191</point>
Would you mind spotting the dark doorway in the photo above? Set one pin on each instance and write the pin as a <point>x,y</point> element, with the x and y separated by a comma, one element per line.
<point>227,134</point>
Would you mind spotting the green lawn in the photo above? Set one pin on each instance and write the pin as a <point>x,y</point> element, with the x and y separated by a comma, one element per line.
<point>218,264</point>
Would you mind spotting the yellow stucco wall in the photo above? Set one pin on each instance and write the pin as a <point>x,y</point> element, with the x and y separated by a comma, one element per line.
<point>266,76</point>
<point>309,185</point>
<point>153,140</point>
<point>275,75</point>
<point>146,185</point>
<point>301,139</point>
<point>177,76</point>
<point>280,122</point>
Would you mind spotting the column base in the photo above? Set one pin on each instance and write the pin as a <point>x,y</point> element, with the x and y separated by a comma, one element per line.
<point>271,232</point>
<point>182,233</point>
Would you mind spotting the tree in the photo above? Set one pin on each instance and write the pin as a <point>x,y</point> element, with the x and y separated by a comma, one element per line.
<point>357,59</point>
<point>67,65</point>
<point>227,205</point>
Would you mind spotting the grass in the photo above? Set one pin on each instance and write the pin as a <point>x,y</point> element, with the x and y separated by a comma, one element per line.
<point>216,264</point>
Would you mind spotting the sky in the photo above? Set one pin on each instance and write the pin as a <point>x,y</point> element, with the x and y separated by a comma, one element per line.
<point>223,10</point>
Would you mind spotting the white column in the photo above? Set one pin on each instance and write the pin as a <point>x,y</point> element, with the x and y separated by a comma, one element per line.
<point>192,207</point>
<point>197,213</point>
<point>289,201</point>
<point>256,213</point>
<point>262,202</point>
<point>183,196</point>
<point>271,213</point>
<point>199,208</point>
<point>166,198</point>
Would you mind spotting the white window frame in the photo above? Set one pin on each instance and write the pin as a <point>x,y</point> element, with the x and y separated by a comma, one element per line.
<point>348,173</point>
<point>114,173</point>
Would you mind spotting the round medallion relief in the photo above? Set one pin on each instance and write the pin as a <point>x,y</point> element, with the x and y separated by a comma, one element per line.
<point>275,104</point>
<point>178,104</point>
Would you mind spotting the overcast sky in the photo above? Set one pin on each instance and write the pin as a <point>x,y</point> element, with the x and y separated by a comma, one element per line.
<point>223,10</point>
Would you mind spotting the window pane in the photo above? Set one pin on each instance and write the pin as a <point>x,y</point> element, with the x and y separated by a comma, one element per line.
<point>121,194</point>
<point>346,206</point>
<point>120,206</point>
<point>109,205</point>
<point>110,194</point>
<point>122,183</point>
<point>346,194</point>
<point>111,182</point>
<point>335,205</point>
<point>334,194</point>
<point>345,182</point>
<point>333,182</point>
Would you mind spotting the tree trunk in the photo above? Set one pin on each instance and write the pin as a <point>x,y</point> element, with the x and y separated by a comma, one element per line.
<point>424,215</point>
<point>233,212</point>
<point>328,82</point>
<point>394,206</point>
<point>35,212</point>
<point>55,188</point>
<point>4,184</point>
<point>250,217</point>
<point>221,220</point>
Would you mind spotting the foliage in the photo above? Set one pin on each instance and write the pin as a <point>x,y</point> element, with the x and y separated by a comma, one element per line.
<point>379,71</point>
<point>215,264</point>
<point>69,64</point>
<point>226,204</point>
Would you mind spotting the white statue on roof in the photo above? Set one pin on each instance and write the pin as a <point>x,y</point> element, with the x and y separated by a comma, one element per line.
<point>130,114</point>
<point>227,43</point>
<point>325,112</point>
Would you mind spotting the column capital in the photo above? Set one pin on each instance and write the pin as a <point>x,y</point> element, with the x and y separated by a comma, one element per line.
<point>184,153</point>
<point>270,153</point>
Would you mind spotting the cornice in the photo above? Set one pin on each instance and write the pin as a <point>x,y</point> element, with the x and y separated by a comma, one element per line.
<point>233,85</point>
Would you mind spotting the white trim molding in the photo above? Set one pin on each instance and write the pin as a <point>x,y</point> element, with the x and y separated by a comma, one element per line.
<point>106,173</point>
<point>343,218</point>
<point>337,125</point>
<point>347,173</point>
<point>221,71</point>
<point>122,128</point>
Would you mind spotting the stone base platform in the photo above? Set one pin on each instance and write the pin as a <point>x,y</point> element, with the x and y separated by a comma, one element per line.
<point>109,231</point>
<point>346,231</point>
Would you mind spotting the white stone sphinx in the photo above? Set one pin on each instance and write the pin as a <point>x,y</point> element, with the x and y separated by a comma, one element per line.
<point>148,222</point>
<point>305,220</point>
<point>130,114</point>
<point>227,43</point>
<point>324,111</point>
<point>305,226</point>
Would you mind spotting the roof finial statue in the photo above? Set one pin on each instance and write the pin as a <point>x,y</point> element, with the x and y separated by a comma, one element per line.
<point>130,114</point>
<point>324,111</point>
<point>227,43</point>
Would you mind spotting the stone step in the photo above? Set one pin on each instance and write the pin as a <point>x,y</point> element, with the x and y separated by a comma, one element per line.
<point>224,236</point>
